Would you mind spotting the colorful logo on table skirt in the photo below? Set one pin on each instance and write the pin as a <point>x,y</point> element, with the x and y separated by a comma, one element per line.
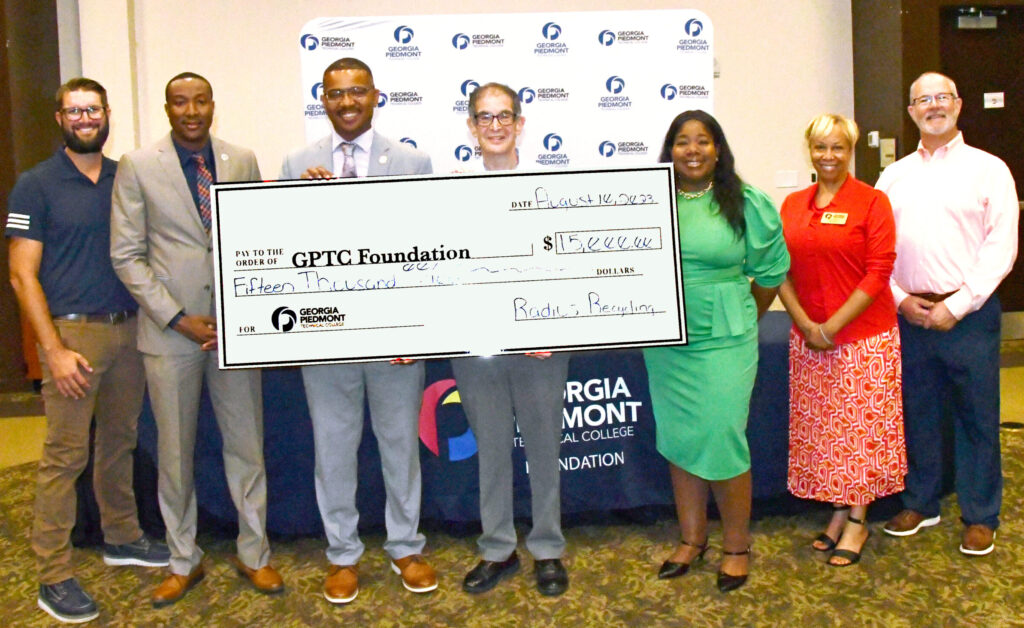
<point>443,426</point>
<point>283,318</point>
<point>460,41</point>
<point>309,42</point>
<point>403,35</point>
<point>606,37</point>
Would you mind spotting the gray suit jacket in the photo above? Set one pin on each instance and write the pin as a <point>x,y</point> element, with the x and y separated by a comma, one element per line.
<point>158,245</point>
<point>387,158</point>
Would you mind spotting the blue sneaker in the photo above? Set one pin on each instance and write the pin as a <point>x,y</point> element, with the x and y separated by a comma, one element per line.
<point>67,602</point>
<point>144,552</point>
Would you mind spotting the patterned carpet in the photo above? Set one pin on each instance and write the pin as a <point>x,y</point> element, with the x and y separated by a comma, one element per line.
<point>918,581</point>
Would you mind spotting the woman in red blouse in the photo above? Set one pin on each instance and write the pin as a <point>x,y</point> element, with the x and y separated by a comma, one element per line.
<point>846,443</point>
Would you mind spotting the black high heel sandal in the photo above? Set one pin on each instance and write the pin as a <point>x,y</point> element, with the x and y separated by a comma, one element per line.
<point>728,582</point>
<point>828,542</point>
<point>850,555</point>
<point>670,569</point>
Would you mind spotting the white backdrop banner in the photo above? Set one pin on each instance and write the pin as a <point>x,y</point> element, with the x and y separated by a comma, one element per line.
<point>598,88</point>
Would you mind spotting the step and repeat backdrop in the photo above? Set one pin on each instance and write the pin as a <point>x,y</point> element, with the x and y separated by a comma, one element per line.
<point>598,88</point>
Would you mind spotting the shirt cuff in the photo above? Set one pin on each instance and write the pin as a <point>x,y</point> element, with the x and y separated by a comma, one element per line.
<point>177,317</point>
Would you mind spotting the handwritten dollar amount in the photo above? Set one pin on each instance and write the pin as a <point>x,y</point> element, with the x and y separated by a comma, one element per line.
<point>603,240</point>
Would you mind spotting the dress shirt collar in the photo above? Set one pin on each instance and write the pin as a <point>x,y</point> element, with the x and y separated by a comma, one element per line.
<point>836,198</point>
<point>941,151</point>
<point>363,142</point>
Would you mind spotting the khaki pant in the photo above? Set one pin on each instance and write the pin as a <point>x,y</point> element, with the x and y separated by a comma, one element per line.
<point>114,397</point>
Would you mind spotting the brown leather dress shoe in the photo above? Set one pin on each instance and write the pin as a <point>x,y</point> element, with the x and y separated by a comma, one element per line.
<point>977,540</point>
<point>174,587</point>
<point>265,579</point>
<point>342,584</point>
<point>417,575</point>
<point>909,522</point>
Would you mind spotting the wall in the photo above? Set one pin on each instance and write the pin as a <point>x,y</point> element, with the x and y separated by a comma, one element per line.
<point>781,63</point>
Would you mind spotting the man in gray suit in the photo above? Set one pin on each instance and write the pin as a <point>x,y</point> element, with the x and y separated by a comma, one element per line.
<point>336,392</point>
<point>161,251</point>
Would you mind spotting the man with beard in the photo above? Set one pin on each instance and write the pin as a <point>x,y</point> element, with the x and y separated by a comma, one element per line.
<point>956,238</point>
<point>335,392</point>
<point>58,228</point>
<point>161,249</point>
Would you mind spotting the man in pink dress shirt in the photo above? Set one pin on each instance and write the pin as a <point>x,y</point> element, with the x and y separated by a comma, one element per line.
<point>956,239</point>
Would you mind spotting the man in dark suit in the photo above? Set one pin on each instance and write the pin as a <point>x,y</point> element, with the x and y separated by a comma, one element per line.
<point>336,392</point>
<point>161,250</point>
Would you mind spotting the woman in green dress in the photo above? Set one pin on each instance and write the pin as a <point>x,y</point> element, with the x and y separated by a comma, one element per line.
<point>729,232</point>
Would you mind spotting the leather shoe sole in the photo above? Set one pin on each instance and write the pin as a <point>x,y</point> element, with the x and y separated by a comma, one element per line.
<point>417,575</point>
<point>174,587</point>
<point>973,550</point>
<point>488,573</point>
<point>924,523</point>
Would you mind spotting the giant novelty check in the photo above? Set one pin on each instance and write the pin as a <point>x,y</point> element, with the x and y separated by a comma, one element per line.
<point>353,270</point>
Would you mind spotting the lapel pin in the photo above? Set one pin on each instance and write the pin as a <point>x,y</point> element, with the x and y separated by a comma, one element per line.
<point>382,160</point>
<point>224,156</point>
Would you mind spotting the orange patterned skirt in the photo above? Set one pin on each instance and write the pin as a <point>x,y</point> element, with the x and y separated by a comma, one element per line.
<point>846,442</point>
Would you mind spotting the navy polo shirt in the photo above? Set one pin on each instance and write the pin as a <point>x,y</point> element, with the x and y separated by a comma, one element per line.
<point>54,203</point>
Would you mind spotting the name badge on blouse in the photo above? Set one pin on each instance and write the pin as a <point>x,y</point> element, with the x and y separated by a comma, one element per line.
<point>833,218</point>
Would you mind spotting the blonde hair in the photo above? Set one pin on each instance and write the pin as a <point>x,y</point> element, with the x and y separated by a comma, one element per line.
<point>821,126</point>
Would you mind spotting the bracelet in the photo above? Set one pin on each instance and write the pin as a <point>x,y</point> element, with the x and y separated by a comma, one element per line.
<point>821,330</point>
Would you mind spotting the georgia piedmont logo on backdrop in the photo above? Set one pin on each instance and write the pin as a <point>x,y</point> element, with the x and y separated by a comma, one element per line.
<point>467,87</point>
<point>669,91</point>
<point>553,157</point>
<point>461,41</point>
<point>315,109</point>
<point>444,430</point>
<point>550,46</point>
<point>400,97</point>
<point>283,318</point>
<point>693,42</point>
<point>608,37</point>
<point>312,42</point>
<point>405,49</point>
<point>617,101</point>
<point>463,152</point>
<point>608,148</point>
<point>528,95</point>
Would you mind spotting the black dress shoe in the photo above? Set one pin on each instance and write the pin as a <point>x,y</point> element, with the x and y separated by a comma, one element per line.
<point>488,573</point>
<point>670,569</point>
<point>728,582</point>
<point>552,578</point>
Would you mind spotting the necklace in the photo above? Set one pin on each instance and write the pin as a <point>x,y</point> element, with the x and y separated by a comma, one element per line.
<point>692,195</point>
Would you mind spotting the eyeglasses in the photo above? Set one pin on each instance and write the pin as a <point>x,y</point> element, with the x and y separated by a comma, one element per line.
<point>943,98</point>
<point>505,118</point>
<point>334,95</point>
<point>94,112</point>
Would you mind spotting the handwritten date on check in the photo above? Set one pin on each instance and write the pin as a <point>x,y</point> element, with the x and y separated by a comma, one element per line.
<point>353,270</point>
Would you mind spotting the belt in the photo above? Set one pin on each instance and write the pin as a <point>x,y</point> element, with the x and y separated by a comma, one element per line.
<point>933,297</point>
<point>111,318</point>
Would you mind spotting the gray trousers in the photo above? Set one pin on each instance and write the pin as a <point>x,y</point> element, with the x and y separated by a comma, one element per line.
<point>175,385</point>
<point>335,394</point>
<point>497,393</point>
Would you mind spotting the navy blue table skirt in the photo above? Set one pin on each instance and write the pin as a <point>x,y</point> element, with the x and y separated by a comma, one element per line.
<point>609,461</point>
